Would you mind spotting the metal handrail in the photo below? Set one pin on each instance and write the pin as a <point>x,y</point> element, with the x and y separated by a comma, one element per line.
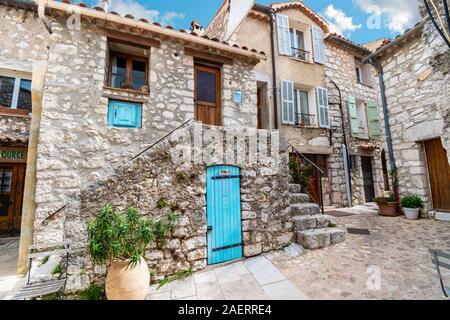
<point>300,53</point>
<point>318,169</point>
<point>304,118</point>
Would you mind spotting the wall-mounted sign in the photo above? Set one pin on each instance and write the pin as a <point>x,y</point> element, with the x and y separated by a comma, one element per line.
<point>237,96</point>
<point>16,155</point>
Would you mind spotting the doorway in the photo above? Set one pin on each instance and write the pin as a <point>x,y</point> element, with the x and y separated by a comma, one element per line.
<point>223,213</point>
<point>208,109</point>
<point>369,189</point>
<point>12,180</point>
<point>439,174</point>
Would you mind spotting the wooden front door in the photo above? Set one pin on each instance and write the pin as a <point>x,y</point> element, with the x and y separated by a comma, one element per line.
<point>439,174</point>
<point>208,109</point>
<point>369,189</point>
<point>12,178</point>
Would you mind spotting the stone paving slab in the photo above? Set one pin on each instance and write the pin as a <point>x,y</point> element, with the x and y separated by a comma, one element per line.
<point>252,279</point>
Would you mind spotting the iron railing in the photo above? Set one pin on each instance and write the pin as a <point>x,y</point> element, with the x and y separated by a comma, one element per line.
<point>304,119</point>
<point>301,54</point>
<point>320,173</point>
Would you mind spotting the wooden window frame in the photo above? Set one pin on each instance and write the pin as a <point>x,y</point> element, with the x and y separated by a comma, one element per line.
<point>129,68</point>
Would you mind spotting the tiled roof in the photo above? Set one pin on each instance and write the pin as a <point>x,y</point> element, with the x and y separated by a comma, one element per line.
<point>278,6</point>
<point>340,39</point>
<point>24,4</point>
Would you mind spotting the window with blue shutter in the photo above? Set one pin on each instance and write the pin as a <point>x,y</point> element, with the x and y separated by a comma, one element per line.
<point>123,114</point>
<point>353,116</point>
<point>284,37</point>
<point>323,108</point>
<point>318,47</point>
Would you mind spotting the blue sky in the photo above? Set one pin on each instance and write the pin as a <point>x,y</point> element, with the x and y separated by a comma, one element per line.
<point>387,18</point>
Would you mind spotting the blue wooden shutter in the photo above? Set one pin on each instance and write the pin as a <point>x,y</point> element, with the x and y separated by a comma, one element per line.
<point>124,114</point>
<point>287,102</point>
<point>323,109</point>
<point>318,48</point>
<point>353,116</point>
<point>374,125</point>
<point>284,37</point>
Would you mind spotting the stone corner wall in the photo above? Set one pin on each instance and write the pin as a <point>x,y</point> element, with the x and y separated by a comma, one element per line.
<point>162,172</point>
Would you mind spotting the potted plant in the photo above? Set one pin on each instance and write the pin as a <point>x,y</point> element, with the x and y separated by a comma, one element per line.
<point>387,205</point>
<point>120,241</point>
<point>411,205</point>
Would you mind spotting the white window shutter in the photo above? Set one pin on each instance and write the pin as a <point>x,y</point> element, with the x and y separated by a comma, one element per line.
<point>318,49</point>
<point>284,38</point>
<point>323,109</point>
<point>287,102</point>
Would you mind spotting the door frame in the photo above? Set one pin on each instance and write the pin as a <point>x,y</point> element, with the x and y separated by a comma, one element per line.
<point>369,160</point>
<point>218,71</point>
<point>240,209</point>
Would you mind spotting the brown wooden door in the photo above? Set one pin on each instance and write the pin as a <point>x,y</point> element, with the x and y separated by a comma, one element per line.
<point>12,178</point>
<point>369,189</point>
<point>439,174</point>
<point>208,109</point>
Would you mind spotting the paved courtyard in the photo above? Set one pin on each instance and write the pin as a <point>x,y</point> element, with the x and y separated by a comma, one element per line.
<point>397,249</point>
<point>252,279</point>
<point>9,253</point>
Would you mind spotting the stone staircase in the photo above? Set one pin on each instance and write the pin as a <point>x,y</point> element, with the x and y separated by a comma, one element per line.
<point>312,228</point>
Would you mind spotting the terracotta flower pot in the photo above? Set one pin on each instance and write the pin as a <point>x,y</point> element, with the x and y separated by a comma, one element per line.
<point>388,209</point>
<point>126,283</point>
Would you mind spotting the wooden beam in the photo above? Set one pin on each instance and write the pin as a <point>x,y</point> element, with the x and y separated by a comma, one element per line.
<point>131,39</point>
<point>208,56</point>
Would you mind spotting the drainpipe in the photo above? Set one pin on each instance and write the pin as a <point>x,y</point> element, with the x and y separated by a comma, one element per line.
<point>41,13</point>
<point>348,181</point>
<point>385,112</point>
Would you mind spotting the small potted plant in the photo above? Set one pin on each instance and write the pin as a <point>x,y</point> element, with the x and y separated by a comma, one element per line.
<point>411,205</point>
<point>387,205</point>
<point>120,241</point>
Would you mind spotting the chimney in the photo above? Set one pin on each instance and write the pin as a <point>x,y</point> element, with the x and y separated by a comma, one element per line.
<point>104,4</point>
<point>196,27</point>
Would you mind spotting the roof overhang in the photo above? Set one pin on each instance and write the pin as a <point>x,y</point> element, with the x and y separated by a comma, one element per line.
<point>347,44</point>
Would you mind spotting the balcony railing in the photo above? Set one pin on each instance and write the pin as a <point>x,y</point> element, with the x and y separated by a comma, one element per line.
<point>304,119</point>
<point>300,54</point>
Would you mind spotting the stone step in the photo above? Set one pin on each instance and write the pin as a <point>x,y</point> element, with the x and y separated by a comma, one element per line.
<point>290,179</point>
<point>299,198</point>
<point>316,221</point>
<point>304,209</point>
<point>320,238</point>
<point>295,188</point>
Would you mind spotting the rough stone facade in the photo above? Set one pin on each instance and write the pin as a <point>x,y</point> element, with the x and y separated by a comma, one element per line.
<point>340,68</point>
<point>77,146</point>
<point>162,173</point>
<point>417,80</point>
<point>14,126</point>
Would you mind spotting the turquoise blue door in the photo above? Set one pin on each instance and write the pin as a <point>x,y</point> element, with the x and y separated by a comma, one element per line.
<point>223,213</point>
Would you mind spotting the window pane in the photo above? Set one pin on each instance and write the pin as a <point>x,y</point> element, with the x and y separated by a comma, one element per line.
<point>5,180</point>
<point>304,103</point>
<point>118,72</point>
<point>206,86</point>
<point>139,68</point>
<point>6,91</point>
<point>301,40</point>
<point>24,101</point>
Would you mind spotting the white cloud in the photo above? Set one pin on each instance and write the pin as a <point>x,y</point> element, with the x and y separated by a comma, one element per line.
<point>399,15</point>
<point>138,11</point>
<point>339,22</point>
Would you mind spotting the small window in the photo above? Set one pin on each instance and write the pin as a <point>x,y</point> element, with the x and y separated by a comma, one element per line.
<point>302,108</point>
<point>15,93</point>
<point>128,72</point>
<point>122,114</point>
<point>359,77</point>
<point>298,45</point>
<point>353,162</point>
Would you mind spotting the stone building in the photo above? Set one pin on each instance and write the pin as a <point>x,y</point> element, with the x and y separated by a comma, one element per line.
<point>355,112</point>
<point>416,76</point>
<point>128,112</point>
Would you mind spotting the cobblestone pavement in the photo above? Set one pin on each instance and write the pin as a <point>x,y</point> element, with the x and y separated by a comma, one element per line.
<point>398,247</point>
<point>251,279</point>
<point>9,253</point>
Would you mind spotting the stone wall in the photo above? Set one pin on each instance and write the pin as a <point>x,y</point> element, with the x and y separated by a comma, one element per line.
<point>15,126</point>
<point>77,146</point>
<point>418,95</point>
<point>340,68</point>
<point>164,172</point>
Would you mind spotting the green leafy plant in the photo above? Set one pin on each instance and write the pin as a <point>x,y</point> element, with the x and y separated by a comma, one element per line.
<point>385,199</point>
<point>411,202</point>
<point>332,225</point>
<point>125,236</point>
<point>57,269</point>
<point>299,172</point>
<point>180,275</point>
<point>94,292</point>
<point>161,203</point>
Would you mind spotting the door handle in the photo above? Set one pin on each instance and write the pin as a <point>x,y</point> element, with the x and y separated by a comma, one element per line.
<point>209,228</point>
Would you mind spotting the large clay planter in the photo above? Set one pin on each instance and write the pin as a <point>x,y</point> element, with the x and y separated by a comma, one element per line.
<point>411,214</point>
<point>126,283</point>
<point>388,209</point>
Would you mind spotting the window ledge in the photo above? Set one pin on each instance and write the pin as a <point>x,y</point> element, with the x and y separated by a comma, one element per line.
<point>14,112</point>
<point>364,84</point>
<point>125,94</point>
<point>301,60</point>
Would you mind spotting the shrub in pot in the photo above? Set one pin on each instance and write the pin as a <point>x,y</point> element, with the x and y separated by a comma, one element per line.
<point>411,205</point>
<point>387,205</point>
<point>119,240</point>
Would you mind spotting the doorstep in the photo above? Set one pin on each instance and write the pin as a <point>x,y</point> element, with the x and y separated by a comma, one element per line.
<point>442,216</point>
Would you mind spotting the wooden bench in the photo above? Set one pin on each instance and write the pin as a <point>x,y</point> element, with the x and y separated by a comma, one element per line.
<point>442,261</point>
<point>41,288</point>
